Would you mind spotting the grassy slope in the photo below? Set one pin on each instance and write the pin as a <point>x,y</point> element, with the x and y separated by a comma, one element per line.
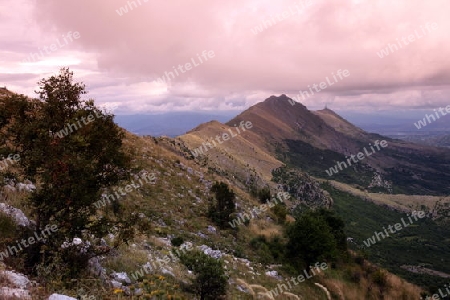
<point>176,206</point>
<point>241,243</point>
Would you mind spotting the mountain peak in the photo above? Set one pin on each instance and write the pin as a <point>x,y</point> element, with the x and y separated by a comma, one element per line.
<point>277,98</point>
<point>210,124</point>
<point>340,124</point>
<point>329,111</point>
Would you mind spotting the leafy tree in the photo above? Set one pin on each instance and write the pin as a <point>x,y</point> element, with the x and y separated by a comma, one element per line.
<point>223,205</point>
<point>210,282</point>
<point>337,227</point>
<point>314,236</point>
<point>71,169</point>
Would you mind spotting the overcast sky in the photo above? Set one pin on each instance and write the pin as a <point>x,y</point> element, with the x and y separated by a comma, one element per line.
<point>120,55</point>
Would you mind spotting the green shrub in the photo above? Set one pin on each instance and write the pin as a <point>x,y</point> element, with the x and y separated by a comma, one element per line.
<point>210,282</point>
<point>177,241</point>
<point>268,251</point>
<point>315,236</point>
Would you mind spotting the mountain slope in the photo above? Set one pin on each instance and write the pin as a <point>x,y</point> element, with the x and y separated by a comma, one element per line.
<point>277,120</point>
<point>238,156</point>
<point>317,141</point>
<point>340,124</point>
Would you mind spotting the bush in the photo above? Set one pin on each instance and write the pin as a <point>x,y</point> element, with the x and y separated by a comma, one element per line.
<point>210,282</point>
<point>177,241</point>
<point>159,287</point>
<point>268,251</point>
<point>264,195</point>
<point>9,233</point>
<point>313,237</point>
<point>222,206</point>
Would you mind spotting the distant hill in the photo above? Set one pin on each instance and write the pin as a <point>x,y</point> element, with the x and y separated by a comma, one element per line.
<point>168,124</point>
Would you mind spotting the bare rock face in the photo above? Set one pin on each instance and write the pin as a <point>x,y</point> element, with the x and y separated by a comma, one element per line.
<point>17,280</point>
<point>60,297</point>
<point>17,286</point>
<point>302,187</point>
<point>16,214</point>
<point>6,292</point>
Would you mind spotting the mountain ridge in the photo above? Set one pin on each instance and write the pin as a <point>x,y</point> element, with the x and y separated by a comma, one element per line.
<point>316,140</point>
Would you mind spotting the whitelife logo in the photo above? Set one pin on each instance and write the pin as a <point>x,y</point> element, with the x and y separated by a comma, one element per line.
<point>86,120</point>
<point>372,240</point>
<point>281,197</point>
<point>423,122</point>
<point>360,156</point>
<point>321,86</point>
<point>124,9</point>
<point>441,294</point>
<point>158,263</point>
<point>188,66</point>
<point>391,48</point>
<point>308,275</point>
<point>199,151</point>
<point>299,8</point>
<point>67,38</point>
<point>31,240</point>
<point>107,198</point>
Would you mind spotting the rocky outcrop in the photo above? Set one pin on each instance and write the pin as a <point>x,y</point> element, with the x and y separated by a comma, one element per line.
<point>302,188</point>
<point>16,214</point>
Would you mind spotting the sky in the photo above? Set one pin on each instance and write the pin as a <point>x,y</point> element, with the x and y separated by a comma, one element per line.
<point>233,53</point>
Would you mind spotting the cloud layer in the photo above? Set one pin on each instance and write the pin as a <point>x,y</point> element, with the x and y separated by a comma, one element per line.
<point>120,55</point>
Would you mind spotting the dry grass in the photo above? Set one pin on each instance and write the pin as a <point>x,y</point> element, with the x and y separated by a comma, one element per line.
<point>400,202</point>
<point>342,287</point>
<point>237,155</point>
<point>265,228</point>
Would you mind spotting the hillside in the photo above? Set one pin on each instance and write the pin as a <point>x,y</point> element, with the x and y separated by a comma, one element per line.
<point>317,141</point>
<point>340,124</point>
<point>237,157</point>
<point>174,207</point>
<point>273,121</point>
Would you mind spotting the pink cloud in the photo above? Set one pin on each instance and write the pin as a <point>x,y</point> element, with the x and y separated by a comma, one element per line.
<point>141,45</point>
